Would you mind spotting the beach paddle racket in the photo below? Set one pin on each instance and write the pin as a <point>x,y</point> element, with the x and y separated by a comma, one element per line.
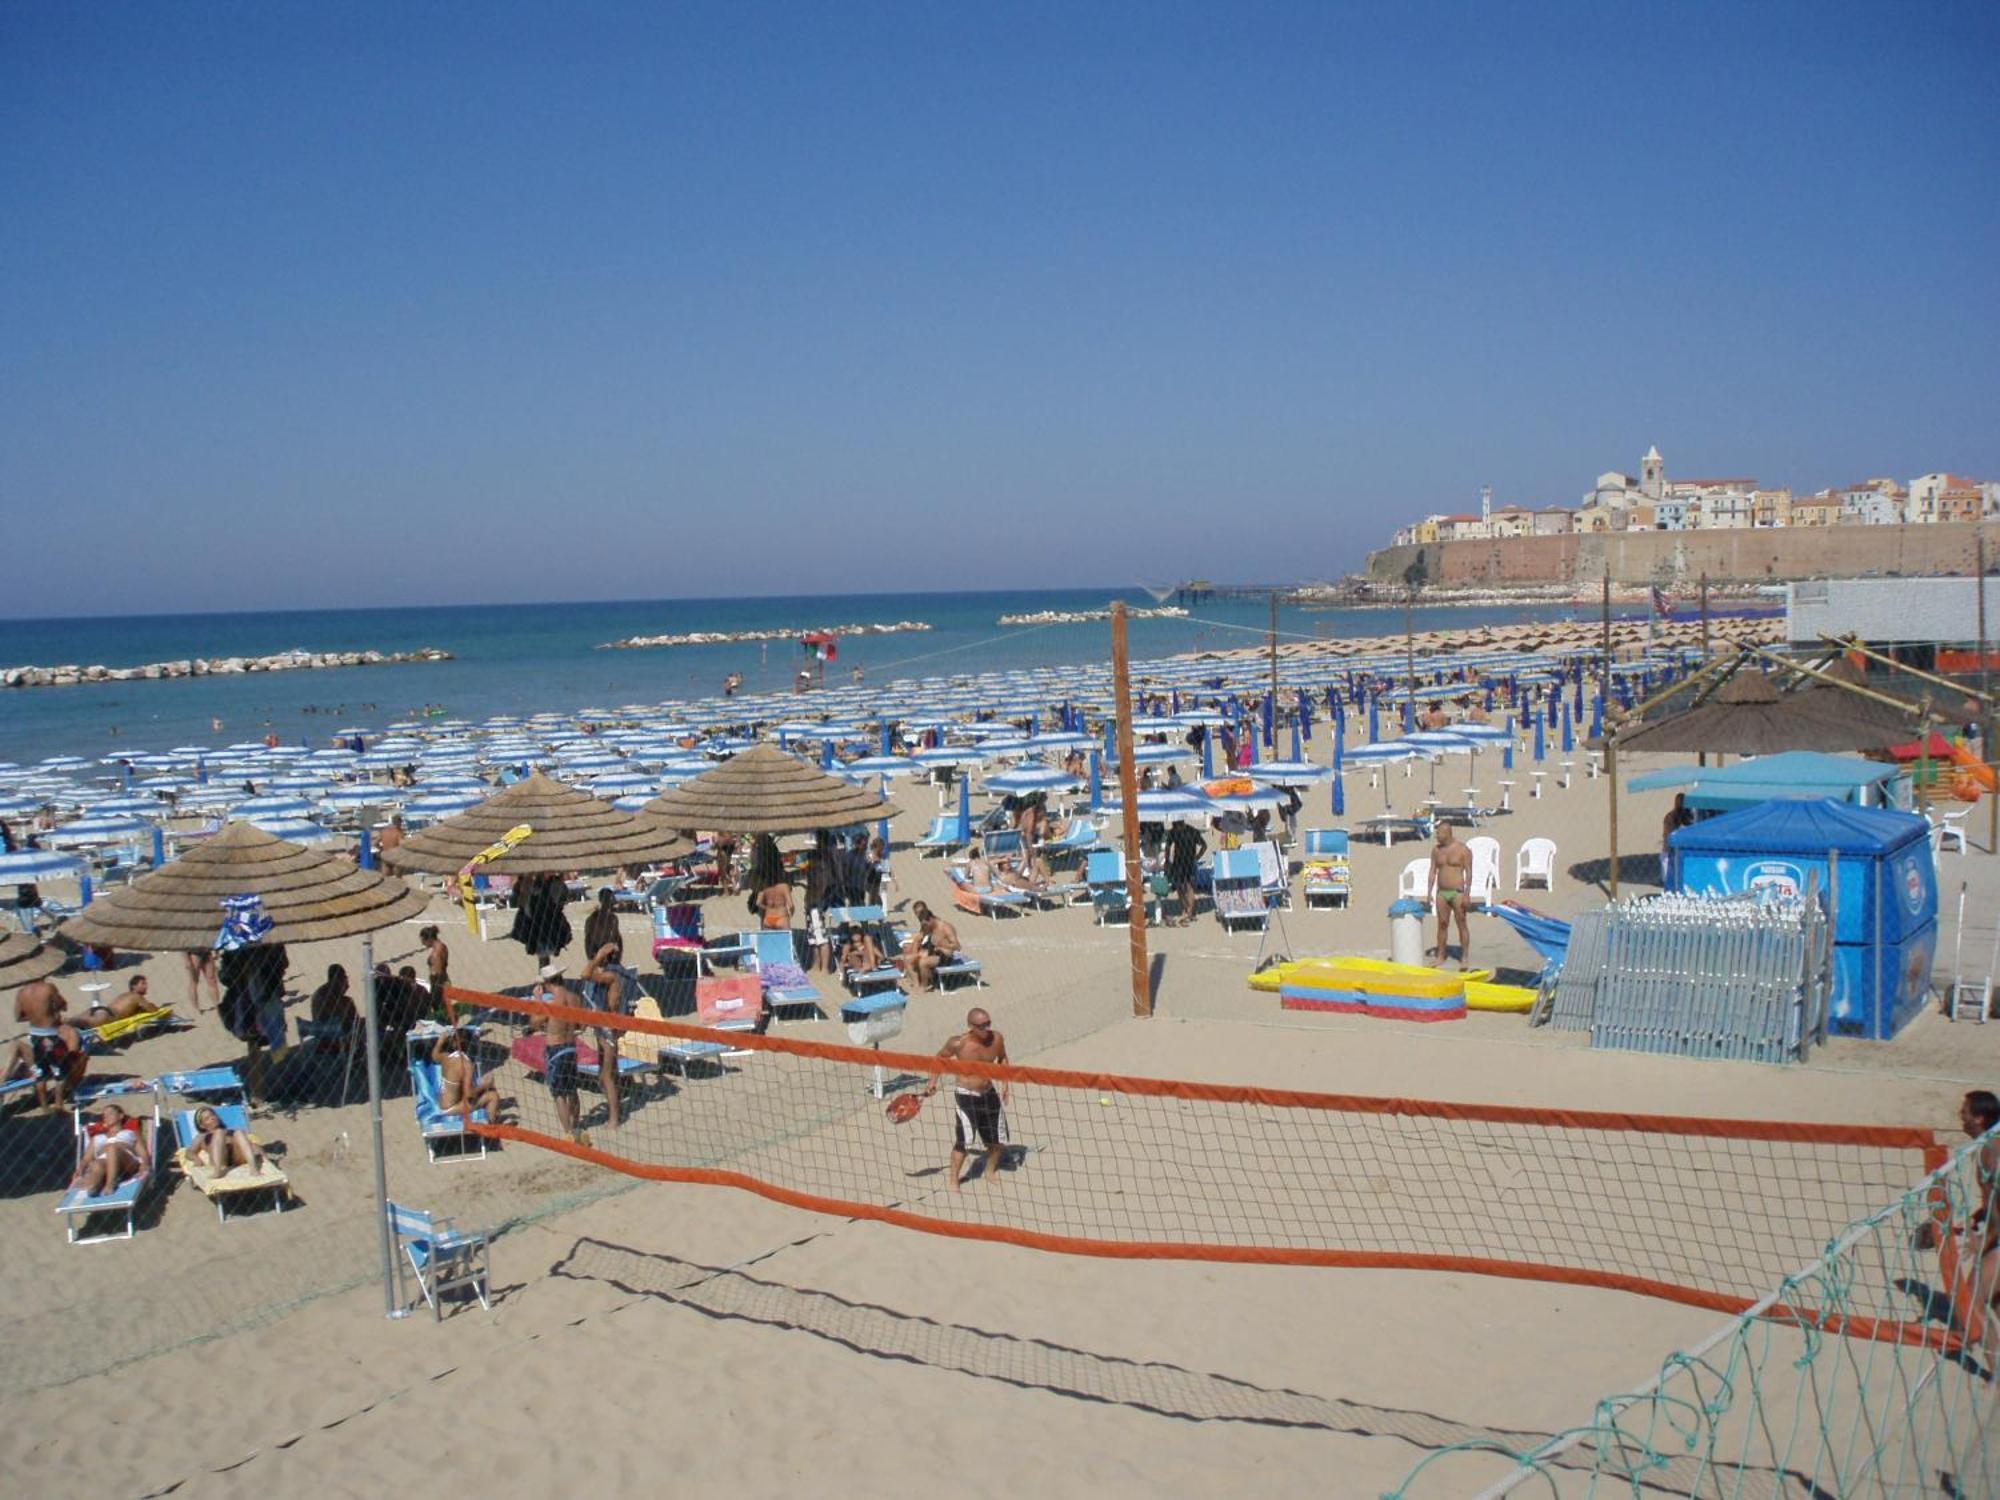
<point>903,1108</point>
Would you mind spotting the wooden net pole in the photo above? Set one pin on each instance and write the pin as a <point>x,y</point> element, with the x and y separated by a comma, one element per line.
<point>1128,798</point>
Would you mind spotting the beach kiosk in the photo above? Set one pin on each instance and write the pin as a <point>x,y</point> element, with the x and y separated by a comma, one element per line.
<point>1876,874</point>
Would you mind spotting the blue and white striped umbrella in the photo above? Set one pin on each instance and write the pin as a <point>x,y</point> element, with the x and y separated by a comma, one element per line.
<point>19,807</point>
<point>1383,753</point>
<point>1159,755</point>
<point>293,830</point>
<point>1032,779</point>
<point>1288,773</point>
<point>275,805</point>
<point>1176,806</point>
<point>442,804</point>
<point>633,802</point>
<point>63,763</point>
<point>882,765</point>
<point>346,797</point>
<point>621,782</point>
<point>115,829</point>
<point>138,807</point>
<point>36,864</point>
<point>1262,799</point>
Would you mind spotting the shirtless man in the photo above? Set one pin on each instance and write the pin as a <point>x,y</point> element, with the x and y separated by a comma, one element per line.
<point>439,963</point>
<point>1451,874</point>
<point>559,1061</point>
<point>52,1053</point>
<point>460,1088</point>
<point>605,990</point>
<point>392,834</point>
<point>134,1001</point>
<point>1436,718</point>
<point>937,945</point>
<point>978,1100</point>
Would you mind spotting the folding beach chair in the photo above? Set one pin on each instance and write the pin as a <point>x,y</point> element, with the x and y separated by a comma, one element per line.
<point>942,835</point>
<point>1272,880</point>
<point>238,1184</point>
<point>444,1259</point>
<point>1078,838</point>
<point>1327,877</point>
<point>678,925</point>
<point>775,962</point>
<point>1238,890</point>
<point>1110,897</point>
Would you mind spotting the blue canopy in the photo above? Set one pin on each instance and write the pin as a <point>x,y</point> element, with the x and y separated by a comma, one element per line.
<point>1794,774</point>
<point>1785,826</point>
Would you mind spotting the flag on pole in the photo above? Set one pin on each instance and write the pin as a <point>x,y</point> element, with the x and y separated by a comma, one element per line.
<point>1659,601</point>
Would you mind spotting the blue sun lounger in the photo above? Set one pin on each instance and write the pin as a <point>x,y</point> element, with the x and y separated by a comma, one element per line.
<point>439,1126</point>
<point>121,1204</point>
<point>222,1190</point>
<point>774,960</point>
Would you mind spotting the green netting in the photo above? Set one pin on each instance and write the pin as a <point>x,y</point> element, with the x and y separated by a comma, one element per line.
<point>1877,1393</point>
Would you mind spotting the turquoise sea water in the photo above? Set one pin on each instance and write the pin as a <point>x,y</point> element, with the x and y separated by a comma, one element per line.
<point>531,657</point>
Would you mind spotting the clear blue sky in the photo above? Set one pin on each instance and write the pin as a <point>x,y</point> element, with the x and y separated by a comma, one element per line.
<point>323,303</point>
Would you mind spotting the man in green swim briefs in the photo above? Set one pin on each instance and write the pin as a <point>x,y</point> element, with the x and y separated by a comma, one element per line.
<point>1451,874</point>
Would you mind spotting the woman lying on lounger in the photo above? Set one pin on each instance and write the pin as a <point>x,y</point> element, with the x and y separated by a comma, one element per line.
<point>219,1148</point>
<point>113,1150</point>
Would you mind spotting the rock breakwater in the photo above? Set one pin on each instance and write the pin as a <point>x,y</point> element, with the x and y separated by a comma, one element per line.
<point>1091,616</point>
<point>726,637</point>
<point>218,666</point>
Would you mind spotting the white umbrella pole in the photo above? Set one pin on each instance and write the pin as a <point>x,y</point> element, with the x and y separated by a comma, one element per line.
<point>374,1042</point>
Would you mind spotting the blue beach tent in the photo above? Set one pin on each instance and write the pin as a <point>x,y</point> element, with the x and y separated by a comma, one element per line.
<point>1875,873</point>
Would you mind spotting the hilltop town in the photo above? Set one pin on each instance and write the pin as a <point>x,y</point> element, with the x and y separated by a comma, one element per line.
<point>1654,502</point>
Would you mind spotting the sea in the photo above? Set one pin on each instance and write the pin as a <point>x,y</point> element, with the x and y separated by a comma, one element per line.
<point>527,658</point>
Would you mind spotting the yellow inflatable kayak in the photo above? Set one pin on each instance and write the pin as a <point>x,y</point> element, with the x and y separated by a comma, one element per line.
<point>1481,993</point>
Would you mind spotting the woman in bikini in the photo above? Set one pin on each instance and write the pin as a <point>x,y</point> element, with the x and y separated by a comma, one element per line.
<point>218,1147</point>
<point>113,1150</point>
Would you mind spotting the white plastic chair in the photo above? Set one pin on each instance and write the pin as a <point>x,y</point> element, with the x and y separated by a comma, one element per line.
<point>1485,866</point>
<point>1949,829</point>
<point>1536,860</point>
<point>1415,879</point>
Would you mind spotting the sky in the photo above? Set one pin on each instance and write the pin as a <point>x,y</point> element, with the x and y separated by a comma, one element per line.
<point>309,304</point>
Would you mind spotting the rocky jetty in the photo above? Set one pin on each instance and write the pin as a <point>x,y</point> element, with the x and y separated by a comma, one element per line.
<point>1091,616</point>
<point>726,637</point>
<point>219,666</point>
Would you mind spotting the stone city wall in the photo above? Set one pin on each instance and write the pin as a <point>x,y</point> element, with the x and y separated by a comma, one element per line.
<point>1644,557</point>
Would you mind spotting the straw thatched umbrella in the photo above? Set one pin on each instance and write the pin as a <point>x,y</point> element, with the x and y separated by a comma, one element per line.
<point>764,790</point>
<point>572,831</point>
<point>308,894</point>
<point>23,960</point>
<point>1747,715</point>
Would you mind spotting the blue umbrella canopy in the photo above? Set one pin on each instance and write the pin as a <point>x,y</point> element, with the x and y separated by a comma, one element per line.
<point>1176,806</point>
<point>1032,779</point>
<point>1288,772</point>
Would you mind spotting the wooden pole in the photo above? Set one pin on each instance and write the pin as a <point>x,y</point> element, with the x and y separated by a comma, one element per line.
<point>1851,644</point>
<point>1704,617</point>
<point>1611,776</point>
<point>1128,797</point>
<point>1986,693</point>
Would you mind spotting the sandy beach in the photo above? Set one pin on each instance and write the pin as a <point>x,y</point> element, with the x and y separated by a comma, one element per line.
<point>793,1351</point>
<point>725,1344</point>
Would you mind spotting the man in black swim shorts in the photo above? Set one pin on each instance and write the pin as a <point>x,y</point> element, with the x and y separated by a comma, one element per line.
<point>978,1101</point>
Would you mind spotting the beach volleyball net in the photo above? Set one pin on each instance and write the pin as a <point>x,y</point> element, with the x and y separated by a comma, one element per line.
<point>1705,1212</point>
<point>1847,1403</point>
